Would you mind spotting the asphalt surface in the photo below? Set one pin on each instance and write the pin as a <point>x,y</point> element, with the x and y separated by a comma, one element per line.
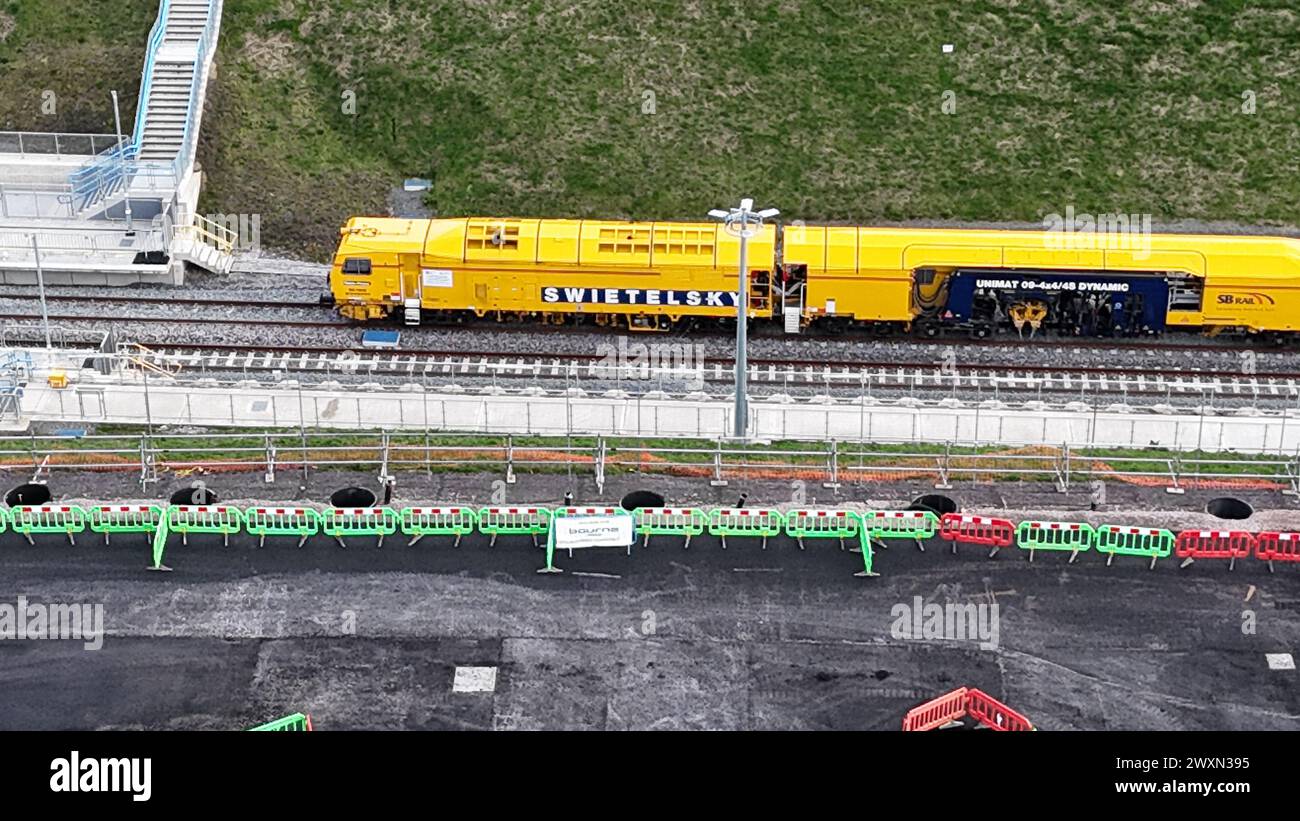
<point>742,638</point>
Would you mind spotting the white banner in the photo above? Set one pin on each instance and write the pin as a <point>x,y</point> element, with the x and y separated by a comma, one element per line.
<point>592,531</point>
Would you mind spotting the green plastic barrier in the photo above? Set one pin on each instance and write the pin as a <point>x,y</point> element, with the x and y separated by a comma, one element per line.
<point>507,521</point>
<point>914,525</point>
<point>110,519</point>
<point>160,545</point>
<point>822,524</point>
<point>358,521</point>
<point>67,519</point>
<point>300,722</point>
<point>805,523</point>
<point>669,521</point>
<point>187,519</point>
<point>1133,541</point>
<point>418,522</point>
<point>762,522</point>
<point>1075,537</point>
<point>303,522</point>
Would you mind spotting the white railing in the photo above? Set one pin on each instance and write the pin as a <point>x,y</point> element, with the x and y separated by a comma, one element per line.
<point>39,200</point>
<point>59,144</point>
<point>90,243</point>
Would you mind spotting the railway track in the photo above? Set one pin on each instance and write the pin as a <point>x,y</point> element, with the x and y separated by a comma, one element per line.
<point>168,301</point>
<point>1011,345</point>
<point>774,373</point>
<point>72,319</point>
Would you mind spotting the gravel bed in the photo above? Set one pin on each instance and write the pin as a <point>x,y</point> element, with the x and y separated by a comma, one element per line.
<point>600,343</point>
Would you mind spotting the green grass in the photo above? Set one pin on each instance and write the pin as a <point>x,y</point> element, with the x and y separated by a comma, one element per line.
<point>828,109</point>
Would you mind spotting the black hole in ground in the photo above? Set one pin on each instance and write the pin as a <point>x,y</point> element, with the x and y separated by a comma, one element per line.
<point>28,495</point>
<point>936,503</point>
<point>352,497</point>
<point>1227,507</point>
<point>194,496</point>
<point>641,498</point>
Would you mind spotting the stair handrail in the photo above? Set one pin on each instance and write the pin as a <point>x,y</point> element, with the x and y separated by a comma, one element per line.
<point>182,162</point>
<point>156,35</point>
<point>219,236</point>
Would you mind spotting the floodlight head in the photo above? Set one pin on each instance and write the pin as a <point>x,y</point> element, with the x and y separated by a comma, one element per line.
<point>718,213</point>
<point>768,213</point>
<point>746,204</point>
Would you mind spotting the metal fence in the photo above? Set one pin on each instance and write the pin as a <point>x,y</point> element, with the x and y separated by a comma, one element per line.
<point>56,143</point>
<point>832,463</point>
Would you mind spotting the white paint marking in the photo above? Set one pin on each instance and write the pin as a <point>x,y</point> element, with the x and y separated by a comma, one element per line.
<point>475,680</point>
<point>1280,661</point>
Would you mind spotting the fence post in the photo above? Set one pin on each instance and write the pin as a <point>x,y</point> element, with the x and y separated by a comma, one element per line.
<point>717,480</point>
<point>944,484</point>
<point>270,460</point>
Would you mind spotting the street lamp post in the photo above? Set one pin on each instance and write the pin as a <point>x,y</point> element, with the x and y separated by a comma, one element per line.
<point>40,284</point>
<point>121,159</point>
<point>743,222</point>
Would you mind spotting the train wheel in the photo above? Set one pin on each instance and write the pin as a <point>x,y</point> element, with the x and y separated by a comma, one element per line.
<point>981,331</point>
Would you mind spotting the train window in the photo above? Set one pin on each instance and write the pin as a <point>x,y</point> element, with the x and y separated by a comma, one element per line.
<point>356,265</point>
<point>924,276</point>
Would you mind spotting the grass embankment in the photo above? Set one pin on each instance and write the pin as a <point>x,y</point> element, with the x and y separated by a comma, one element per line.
<point>828,110</point>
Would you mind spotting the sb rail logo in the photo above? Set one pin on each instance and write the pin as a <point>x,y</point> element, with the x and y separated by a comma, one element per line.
<point>1250,298</point>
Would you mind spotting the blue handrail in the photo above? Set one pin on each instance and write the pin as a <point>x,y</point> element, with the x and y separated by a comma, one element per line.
<point>156,35</point>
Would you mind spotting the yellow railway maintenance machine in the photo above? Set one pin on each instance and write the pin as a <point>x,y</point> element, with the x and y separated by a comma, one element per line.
<point>642,275</point>
<point>652,275</point>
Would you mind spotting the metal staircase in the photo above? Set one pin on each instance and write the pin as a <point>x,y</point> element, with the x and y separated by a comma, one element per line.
<point>166,111</point>
<point>157,162</point>
<point>163,120</point>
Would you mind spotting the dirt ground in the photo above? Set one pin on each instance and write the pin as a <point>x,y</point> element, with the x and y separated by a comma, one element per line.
<point>666,637</point>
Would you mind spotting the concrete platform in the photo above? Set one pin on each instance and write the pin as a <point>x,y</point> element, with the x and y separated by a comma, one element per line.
<point>86,252</point>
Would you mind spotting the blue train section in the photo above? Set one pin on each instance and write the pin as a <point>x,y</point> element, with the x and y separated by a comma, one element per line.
<point>1071,304</point>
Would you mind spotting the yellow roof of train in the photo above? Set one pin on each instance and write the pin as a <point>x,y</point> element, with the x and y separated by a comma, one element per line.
<point>382,234</point>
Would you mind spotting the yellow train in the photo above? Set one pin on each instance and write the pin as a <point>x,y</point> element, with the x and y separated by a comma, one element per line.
<point>652,276</point>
